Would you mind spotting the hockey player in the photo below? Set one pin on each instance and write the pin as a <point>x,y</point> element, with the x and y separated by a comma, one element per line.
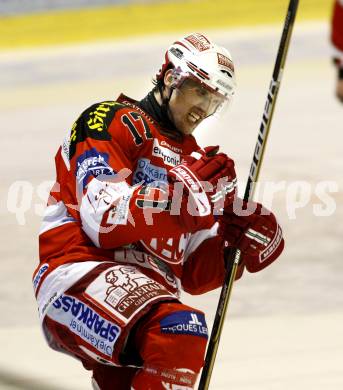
<point>337,40</point>
<point>138,213</point>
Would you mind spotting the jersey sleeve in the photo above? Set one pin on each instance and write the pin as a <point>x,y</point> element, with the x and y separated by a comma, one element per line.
<point>204,269</point>
<point>98,163</point>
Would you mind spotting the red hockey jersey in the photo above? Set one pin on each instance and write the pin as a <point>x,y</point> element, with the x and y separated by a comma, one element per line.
<point>101,206</point>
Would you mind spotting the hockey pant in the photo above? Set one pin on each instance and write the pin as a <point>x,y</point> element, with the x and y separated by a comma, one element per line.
<point>167,344</point>
<point>171,361</point>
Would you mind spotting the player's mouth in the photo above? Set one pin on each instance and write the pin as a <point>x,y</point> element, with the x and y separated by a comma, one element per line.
<point>195,116</point>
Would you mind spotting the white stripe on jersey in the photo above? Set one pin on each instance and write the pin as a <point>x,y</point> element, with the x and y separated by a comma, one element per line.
<point>55,215</point>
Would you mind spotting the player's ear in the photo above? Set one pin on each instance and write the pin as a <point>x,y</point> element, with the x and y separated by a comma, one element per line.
<point>168,78</point>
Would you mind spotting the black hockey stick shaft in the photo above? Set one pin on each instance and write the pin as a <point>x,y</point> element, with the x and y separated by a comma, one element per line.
<point>233,259</point>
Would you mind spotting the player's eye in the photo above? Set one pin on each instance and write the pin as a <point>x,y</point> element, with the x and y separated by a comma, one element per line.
<point>201,92</point>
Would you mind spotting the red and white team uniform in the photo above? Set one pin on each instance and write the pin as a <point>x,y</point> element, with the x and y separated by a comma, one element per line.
<point>118,242</point>
<point>337,32</point>
<point>87,218</point>
<point>87,236</point>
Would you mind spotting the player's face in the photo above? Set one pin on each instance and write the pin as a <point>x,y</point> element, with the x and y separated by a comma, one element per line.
<point>190,104</point>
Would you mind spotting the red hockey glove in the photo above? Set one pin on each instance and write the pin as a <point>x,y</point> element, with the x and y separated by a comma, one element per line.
<point>257,235</point>
<point>210,179</point>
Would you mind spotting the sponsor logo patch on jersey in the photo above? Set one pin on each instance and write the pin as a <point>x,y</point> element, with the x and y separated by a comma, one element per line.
<point>92,163</point>
<point>83,321</point>
<point>171,250</point>
<point>124,291</point>
<point>171,147</point>
<point>168,156</point>
<point>39,275</point>
<point>148,173</point>
<point>185,322</point>
<point>94,123</point>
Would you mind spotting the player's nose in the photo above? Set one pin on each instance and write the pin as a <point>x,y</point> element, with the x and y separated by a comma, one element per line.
<point>207,105</point>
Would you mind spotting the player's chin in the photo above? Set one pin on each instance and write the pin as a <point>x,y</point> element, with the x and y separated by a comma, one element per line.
<point>188,130</point>
<point>188,127</point>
